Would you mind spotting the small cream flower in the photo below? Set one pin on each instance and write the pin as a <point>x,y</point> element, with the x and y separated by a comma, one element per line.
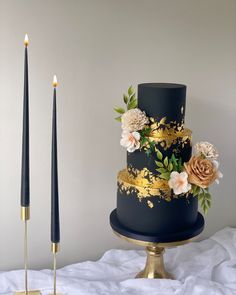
<point>218,174</point>
<point>179,182</point>
<point>134,120</point>
<point>206,149</point>
<point>130,140</point>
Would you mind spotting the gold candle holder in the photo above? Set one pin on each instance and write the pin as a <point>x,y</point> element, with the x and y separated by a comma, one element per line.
<point>25,216</point>
<point>55,248</point>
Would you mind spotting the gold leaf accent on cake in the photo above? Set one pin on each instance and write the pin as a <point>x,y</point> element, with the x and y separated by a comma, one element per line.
<point>144,183</point>
<point>167,136</point>
<point>150,204</point>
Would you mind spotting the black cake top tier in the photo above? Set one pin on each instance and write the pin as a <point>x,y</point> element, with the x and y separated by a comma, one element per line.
<point>161,100</point>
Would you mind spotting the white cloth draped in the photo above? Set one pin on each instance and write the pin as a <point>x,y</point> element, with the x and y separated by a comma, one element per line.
<point>200,268</point>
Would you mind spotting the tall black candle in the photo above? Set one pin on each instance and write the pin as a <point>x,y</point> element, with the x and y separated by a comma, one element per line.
<point>55,221</point>
<point>25,174</point>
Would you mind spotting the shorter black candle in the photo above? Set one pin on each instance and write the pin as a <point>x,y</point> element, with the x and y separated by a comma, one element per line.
<point>55,221</point>
<point>25,177</point>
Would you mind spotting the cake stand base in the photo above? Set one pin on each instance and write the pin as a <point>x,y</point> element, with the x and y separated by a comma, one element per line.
<point>155,245</point>
<point>154,268</point>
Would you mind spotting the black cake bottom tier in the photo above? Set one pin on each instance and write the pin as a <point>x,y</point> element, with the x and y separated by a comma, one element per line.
<point>155,214</point>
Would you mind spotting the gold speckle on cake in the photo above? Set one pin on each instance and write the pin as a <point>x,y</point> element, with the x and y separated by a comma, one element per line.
<point>168,134</point>
<point>143,183</point>
<point>150,204</point>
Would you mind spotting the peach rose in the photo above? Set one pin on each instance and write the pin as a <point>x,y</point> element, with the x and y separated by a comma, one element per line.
<point>201,171</point>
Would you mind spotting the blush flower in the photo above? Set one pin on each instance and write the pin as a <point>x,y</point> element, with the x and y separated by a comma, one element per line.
<point>179,182</point>
<point>130,140</point>
<point>134,120</point>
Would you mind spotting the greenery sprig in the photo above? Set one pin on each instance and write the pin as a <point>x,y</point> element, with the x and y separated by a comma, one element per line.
<point>130,101</point>
<point>167,165</point>
<point>204,197</point>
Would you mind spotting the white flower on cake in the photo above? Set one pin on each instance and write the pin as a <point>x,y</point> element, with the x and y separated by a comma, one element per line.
<point>130,140</point>
<point>219,174</point>
<point>134,120</point>
<point>179,182</point>
<point>207,150</point>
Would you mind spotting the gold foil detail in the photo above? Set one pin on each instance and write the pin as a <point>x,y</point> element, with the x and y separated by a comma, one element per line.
<point>168,134</point>
<point>160,126</point>
<point>144,183</point>
<point>150,204</point>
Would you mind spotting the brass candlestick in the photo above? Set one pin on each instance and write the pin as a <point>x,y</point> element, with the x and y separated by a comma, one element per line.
<point>25,216</point>
<point>55,247</point>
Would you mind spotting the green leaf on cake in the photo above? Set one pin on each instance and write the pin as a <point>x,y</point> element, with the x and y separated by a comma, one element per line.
<point>166,161</point>
<point>132,104</point>
<point>204,197</point>
<point>165,175</point>
<point>170,166</point>
<point>195,190</point>
<point>180,165</point>
<point>159,164</point>
<point>120,110</point>
<point>143,140</point>
<point>145,132</point>
<point>161,170</point>
<point>159,155</point>
<point>152,145</point>
<point>148,152</point>
<point>174,162</point>
<point>118,119</point>
<point>125,98</point>
<point>132,98</point>
<point>130,90</point>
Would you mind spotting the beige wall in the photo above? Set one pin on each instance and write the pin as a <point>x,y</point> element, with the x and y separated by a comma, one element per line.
<point>98,48</point>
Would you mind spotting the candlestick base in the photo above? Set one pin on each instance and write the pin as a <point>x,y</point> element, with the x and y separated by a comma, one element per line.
<point>33,292</point>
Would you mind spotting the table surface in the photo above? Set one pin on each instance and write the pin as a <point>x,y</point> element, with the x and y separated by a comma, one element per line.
<point>200,268</point>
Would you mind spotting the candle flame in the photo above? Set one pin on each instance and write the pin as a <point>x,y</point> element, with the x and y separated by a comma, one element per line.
<point>26,41</point>
<point>54,83</point>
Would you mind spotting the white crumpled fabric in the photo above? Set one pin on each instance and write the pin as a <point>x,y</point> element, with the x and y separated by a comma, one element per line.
<point>201,268</point>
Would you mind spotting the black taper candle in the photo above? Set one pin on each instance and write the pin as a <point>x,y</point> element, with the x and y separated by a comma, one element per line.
<point>55,221</point>
<point>25,174</point>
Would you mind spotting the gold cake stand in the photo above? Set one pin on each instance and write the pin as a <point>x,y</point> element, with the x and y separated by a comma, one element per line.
<point>155,246</point>
<point>154,268</point>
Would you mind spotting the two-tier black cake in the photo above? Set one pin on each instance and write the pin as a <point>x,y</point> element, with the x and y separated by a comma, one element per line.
<point>145,202</point>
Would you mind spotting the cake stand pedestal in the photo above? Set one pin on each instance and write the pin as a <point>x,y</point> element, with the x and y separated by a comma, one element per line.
<point>155,245</point>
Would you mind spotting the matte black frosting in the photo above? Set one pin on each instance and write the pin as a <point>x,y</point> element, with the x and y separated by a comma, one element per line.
<point>181,235</point>
<point>160,100</point>
<point>154,214</point>
<point>164,217</point>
